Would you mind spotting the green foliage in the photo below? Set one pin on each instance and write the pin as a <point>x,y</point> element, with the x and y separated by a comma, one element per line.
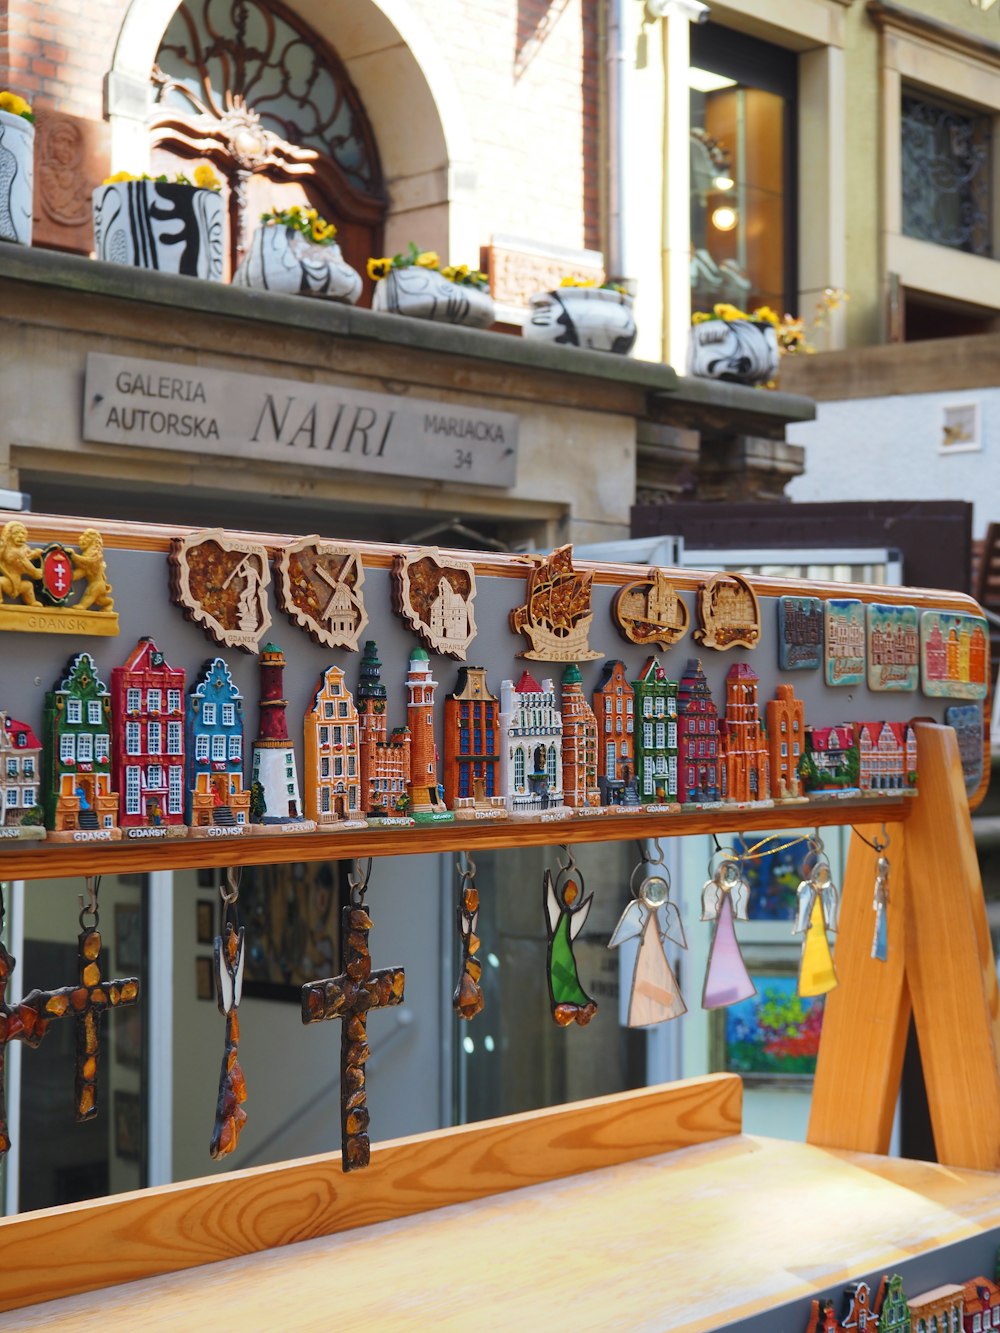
<point>257,805</point>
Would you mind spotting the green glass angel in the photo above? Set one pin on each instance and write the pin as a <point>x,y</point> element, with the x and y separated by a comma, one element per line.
<point>566,911</point>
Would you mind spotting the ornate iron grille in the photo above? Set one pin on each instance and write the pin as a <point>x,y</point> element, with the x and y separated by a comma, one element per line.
<point>251,71</point>
<point>946,175</point>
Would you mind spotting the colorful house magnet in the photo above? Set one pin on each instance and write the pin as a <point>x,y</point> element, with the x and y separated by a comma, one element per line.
<point>967,720</point>
<point>425,793</point>
<point>800,633</point>
<point>221,582</point>
<point>472,748</point>
<point>79,803</point>
<point>275,805</point>
<point>333,765</point>
<point>434,594</point>
<point>954,650</point>
<point>728,612</point>
<point>20,780</point>
<point>318,585</point>
<point>893,647</point>
<point>218,802</point>
<point>147,717</point>
<point>845,641</point>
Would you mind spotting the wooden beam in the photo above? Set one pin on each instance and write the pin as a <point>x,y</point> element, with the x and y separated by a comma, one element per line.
<point>150,1232</point>
<point>866,1019</point>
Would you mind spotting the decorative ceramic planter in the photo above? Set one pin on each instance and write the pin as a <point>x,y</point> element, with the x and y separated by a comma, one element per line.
<point>426,294</point>
<point>744,351</point>
<point>159,224</point>
<point>583,317</point>
<point>17,149</point>
<point>281,259</point>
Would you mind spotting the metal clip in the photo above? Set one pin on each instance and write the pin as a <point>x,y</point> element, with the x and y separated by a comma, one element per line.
<point>88,904</point>
<point>358,877</point>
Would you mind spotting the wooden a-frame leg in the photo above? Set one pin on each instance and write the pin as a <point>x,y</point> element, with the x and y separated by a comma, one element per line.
<point>867,1016</point>
<point>949,961</point>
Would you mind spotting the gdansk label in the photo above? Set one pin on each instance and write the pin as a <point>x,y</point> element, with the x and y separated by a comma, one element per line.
<point>222,413</point>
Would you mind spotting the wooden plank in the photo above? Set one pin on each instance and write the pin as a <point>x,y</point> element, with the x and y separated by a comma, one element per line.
<point>949,961</point>
<point>866,1019</point>
<point>51,860</point>
<point>150,1232</point>
<point>687,1242</point>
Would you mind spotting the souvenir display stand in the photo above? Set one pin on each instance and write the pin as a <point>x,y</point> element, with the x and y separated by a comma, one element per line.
<point>649,1209</point>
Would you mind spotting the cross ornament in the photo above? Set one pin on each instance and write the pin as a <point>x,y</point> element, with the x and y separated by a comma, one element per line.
<point>349,997</point>
<point>26,1021</point>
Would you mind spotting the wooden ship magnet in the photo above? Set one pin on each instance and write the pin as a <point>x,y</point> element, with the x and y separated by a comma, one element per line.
<point>333,765</point>
<point>728,613</point>
<point>318,585</point>
<point>20,780</point>
<point>893,638</point>
<point>147,764</point>
<point>36,585</point>
<point>954,654</point>
<point>650,611</point>
<point>220,582</point>
<point>275,804</point>
<point>434,594</point>
<point>218,803</point>
<point>556,615</point>
<point>77,796</point>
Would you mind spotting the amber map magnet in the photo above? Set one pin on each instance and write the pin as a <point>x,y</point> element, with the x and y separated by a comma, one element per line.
<point>318,585</point>
<point>220,582</point>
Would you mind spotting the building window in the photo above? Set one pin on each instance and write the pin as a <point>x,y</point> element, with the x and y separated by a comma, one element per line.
<point>85,747</point>
<point>102,746</point>
<point>201,747</point>
<point>133,798</point>
<point>236,747</point>
<point>74,712</point>
<point>12,768</point>
<point>945,160</point>
<point>173,738</point>
<point>95,713</point>
<point>133,700</point>
<point>229,715</point>
<point>12,796</point>
<point>154,738</point>
<point>218,749</point>
<point>154,700</point>
<point>175,796</point>
<point>208,714</point>
<point>132,742</point>
<point>173,701</point>
<point>743,190</point>
<point>154,777</point>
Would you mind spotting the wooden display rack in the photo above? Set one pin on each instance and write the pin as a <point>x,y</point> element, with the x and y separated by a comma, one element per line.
<point>614,1234</point>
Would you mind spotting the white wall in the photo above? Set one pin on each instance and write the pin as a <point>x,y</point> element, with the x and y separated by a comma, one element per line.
<point>890,449</point>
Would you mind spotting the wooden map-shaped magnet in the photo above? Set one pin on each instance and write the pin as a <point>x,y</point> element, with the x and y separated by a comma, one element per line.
<point>434,594</point>
<point>220,582</point>
<point>556,615</point>
<point>650,611</point>
<point>319,588</point>
<point>728,612</point>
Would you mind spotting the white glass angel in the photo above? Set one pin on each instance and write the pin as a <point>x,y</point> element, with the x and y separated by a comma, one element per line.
<point>651,917</point>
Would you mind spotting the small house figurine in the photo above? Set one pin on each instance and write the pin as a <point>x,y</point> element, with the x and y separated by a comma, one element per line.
<point>218,800</point>
<point>79,802</point>
<point>426,796</point>
<point>384,759</point>
<point>699,751</point>
<point>275,804</point>
<point>887,757</point>
<point>531,750</point>
<point>656,734</point>
<point>472,748</point>
<point>579,747</point>
<point>614,709</point>
<point>333,766</point>
<point>786,730</point>
<point>20,778</point>
<point>745,760</point>
<point>147,717</point>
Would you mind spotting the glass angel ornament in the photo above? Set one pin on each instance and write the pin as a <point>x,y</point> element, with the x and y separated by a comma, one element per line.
<point>880,941</point>
<point>655,996</point>
<point>817,914</point>
<point>566,912</point>
<point>725,898</point>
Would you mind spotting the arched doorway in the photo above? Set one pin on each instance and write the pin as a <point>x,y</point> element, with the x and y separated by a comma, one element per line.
<point>251,89</point>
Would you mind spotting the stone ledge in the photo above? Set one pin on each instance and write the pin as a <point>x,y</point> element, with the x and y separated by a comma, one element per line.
<point>668,396</point>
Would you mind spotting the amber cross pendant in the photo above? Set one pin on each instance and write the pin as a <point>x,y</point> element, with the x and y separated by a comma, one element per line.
<point>26,1021</point>
<point>350,997</point>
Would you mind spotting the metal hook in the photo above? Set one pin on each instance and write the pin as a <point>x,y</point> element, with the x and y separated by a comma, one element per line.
<point>880,844</point>
<point>570,864</point>
<point>466,867</point>
<point>358,877</point>
<point>88,905</point>
<point>647,857</point>
<point>233,874</point>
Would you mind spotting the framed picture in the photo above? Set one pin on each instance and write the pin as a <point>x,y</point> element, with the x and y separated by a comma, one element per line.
<point>292,912</point>
<point>773,1037</point>
<point>127,1029</point>
<point>204,982</point>
<point>128,1125</point>
<point>128,937</point>
<point>205,916</point>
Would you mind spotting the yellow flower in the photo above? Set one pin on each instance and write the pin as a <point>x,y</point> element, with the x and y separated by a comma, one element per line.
<point>295,209</point>
<point>118,177</point>
<point>765,315</point>
<point>700,316</point>
<point>15,105</point>
<point>723,310</point>
<point>427,259</point>
<point>378,268</point>
<point>206,179</point>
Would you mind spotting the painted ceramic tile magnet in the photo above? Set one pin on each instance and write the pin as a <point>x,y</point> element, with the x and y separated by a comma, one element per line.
<point>650,611</point>
<point>967,719</point>
<point>318,586</point>
<point>434,594</point>
<point>954,653</point>
<point>556,614</point>
<point>893,647</point>
<point>728,613</point>
<point>845,641</point>
<point>800,633</point>
<point>220,582</point>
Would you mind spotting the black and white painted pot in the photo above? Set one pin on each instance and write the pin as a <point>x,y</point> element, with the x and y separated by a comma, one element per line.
<point>159,224</point>
<point>744,351</point>
<point>426,294</point>
<point>281,259</point>
<point>17,149</point>
<point>583,317</point>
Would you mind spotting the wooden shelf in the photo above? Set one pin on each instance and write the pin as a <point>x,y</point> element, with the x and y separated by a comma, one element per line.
<point>55,860</point>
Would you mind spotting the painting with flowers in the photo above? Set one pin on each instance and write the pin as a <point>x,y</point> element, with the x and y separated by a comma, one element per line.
<point>775,1033</point>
